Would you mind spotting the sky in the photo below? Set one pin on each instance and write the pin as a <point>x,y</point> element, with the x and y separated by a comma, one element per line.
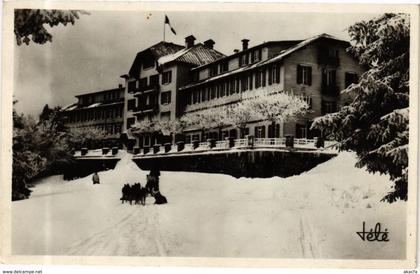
<point>92,54</point>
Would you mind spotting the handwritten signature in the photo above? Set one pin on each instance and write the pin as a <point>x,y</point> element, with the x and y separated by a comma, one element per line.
<point>374,234</point>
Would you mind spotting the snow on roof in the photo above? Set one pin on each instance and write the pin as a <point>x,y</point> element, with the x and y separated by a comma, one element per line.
<point>196,55</point>
<point>94,105</point>
<point>70,107</point>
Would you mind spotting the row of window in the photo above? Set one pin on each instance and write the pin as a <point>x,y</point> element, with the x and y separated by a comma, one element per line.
<point>247,81</point>
<point>245,59</point>
<point>152,81</point>
<point>108,96</point>
<point>94,114</point>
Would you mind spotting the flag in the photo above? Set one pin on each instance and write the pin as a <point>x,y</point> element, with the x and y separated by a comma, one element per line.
<point>167,22</point>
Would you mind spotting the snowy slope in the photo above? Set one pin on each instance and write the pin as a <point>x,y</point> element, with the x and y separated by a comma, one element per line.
<point>313,215</point>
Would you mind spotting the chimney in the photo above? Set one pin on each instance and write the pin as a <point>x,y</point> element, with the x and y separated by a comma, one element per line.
<point>245,44</point>
<point>189,41</point>
<point>236,50</point>
<point>209,43</point>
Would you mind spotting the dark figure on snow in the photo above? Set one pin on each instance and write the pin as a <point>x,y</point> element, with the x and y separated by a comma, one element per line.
<point>95,178</point>
<point>126,190</point>
<point>152,184</point>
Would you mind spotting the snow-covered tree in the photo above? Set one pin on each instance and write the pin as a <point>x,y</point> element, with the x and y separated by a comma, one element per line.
<point>81,137</point>
<point>29,23</point>
<point>277,107</point>
<point>143,126</point>
<point>375,125</point>
<point>241,114</point>
<point>206,119</point>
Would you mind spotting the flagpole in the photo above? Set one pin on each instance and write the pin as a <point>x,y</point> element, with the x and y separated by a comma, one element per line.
<point>164,24</point>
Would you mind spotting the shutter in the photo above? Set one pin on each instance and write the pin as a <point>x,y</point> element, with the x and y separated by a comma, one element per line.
<point>270,76</point>
<point>263,132</point>
<point>309,76</point>
<point>299,74</point>
<point>260,54</point>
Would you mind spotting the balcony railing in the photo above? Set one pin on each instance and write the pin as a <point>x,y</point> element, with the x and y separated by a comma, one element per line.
<point>271,143</point>
<point>143,89</point>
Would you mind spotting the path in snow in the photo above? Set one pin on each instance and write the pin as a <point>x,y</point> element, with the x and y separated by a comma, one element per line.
<point>314,215</point>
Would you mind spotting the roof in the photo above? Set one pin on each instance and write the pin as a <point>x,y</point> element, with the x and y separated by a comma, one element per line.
<point>286,43</point>
<point>101,91</point>
<point>197,55</point>
<point>94,105</point>
<point>158,50</point>
<point>276,58</point>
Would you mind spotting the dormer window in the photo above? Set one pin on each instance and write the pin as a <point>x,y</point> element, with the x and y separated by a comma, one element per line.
<point>224,67</point>
<point>243,60</point>
<point>213,70</point>
<point>148,63</point>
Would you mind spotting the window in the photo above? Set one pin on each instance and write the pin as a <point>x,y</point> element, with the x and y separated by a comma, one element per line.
<point>148,63</point>
<point>274,132</point>
<point>213,92</point>
<point>243,60</point>
<point>276,74</point>
<point>304,75</point>
<point>222,89</point>
<point>244,83</point>
<point>131,86</point>
<point>263,78</point>
<point>194,97</point>
<point>257,79</point>
<point>350,78</point>
<point>224,67</point>
<point>165,98</point>
<point>154,80</point>
<point>203,92</point>
<point>195,76</point>
<point>251,78</point>
<point>301,131</point>
<point>130,122</point>
<point>328,107</point>
<point>232,88</point>
<point>165,116</point>
<point>147,99</point>
<point>167,77</point>
<point>256,56</point>
<point>143,82</point>
<point>328,78</point>
<point>131,104</point>
<point>244,132</point>
<point>260,132</point>
<point>213,70</point>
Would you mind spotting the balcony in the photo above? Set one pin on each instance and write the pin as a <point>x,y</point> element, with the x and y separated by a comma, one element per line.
<point>331,90</point>
<point>133,88</point>
<point>144,109</point>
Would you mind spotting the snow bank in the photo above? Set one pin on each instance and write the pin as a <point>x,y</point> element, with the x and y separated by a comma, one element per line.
<point>313,215</point>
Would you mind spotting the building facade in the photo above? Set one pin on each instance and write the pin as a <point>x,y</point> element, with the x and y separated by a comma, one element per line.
<point>168,80</point>
<point>103,110</point>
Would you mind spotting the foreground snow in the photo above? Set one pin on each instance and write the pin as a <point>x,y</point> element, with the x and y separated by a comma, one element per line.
<point>314,215</point>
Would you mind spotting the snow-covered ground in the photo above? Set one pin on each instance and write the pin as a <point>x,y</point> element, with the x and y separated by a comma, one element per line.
<point>313,215</point>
